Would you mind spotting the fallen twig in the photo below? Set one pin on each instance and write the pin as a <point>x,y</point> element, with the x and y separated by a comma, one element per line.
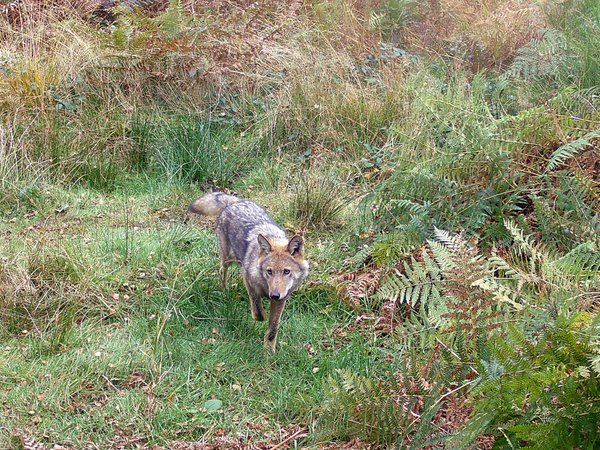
<point>298,434</point>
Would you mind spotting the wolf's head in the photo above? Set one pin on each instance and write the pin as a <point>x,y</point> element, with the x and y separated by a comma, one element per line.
<point>282,265</point>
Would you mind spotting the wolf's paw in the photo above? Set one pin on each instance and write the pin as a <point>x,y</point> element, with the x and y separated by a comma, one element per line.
<point>270,339</point>
<point>258,316</point>
<point>269,346</point>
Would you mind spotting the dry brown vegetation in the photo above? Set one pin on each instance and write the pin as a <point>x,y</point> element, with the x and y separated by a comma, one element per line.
<point>481,34</point>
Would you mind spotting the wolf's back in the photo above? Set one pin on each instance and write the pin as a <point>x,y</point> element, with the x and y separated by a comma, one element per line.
<point>212,204</point>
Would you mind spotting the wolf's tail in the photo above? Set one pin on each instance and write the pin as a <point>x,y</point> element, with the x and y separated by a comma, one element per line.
<point>212,204</point>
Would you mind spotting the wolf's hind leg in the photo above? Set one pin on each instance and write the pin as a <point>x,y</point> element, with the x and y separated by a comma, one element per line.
<point>256,308</point>
<point>224,265</point>
<point>275,312</point>
<point>225,260</point>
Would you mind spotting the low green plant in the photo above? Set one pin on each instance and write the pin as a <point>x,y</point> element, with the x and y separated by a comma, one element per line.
<point>195,150</point>
<point>547,371</point>
<point>318,199</point>
<point>540,391</point>
<point>392,17</point>
<point>360,406</point>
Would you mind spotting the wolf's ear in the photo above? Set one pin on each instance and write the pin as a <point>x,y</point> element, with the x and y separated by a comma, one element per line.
<point>264,244</point>
<point>296,246</point>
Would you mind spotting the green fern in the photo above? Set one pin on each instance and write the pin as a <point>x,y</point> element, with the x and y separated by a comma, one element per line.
<point>541,278</point>
<point>533,383</point>
<point>580,264</point>
<point>454,243</point>
<point>418,285</point>
<point>173,21</point>
<point>589,188</point>
<point>358,406</point>
<point>530,260</point>
<point>566,151</point>
<point>570,216</point>
<point>541,59</point>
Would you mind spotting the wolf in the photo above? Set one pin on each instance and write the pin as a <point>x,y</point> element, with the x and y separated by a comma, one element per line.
<point>272,266</point>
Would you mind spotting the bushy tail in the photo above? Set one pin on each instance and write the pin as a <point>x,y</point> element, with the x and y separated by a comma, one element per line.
<point>212,204</point>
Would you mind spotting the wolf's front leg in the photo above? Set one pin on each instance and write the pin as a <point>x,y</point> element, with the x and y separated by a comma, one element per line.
<point>275,312</point>
<point>256,308</point>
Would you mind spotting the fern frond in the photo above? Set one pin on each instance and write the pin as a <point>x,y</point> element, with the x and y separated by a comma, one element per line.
<point>474,428</point>
<point>566,151</point>
<point>419,439</point>
<point>500,292</point>
<point>411,206</point>
<point>443,256</point>
<point>496,263</point>
<point>595,363</point>
<point>589,187</point>
<point>540,59</point>
<point>375,21</point>
<point>526,246</point>
<point>452,242</point>
<point>416,284</point>
<point>356,405</point>
<point>582,262</point>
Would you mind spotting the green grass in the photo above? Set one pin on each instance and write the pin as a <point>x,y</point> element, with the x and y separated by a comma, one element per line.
<point>83,393</point>
<point>93,363</point>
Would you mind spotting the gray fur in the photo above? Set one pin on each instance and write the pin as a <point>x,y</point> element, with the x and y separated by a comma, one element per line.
<point>242,222</point>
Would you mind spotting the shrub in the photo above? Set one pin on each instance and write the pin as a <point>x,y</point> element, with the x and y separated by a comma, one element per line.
<point>540,391</point>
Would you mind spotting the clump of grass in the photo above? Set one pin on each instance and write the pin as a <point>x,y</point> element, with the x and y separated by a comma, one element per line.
<point>195,150</point>
<point>318,200</point>
<point>17,171</point>
<point>40,297</point>
<point>83,148</point>
<point>141,134</point>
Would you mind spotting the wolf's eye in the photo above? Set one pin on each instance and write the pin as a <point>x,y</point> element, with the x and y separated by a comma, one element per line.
<point>269,271</point>
<point>286,271</point>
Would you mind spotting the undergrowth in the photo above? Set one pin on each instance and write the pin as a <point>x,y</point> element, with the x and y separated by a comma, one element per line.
<point>440,158</point>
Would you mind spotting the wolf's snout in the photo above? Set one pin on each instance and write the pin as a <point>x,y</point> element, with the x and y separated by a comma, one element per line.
<point>275,296</point>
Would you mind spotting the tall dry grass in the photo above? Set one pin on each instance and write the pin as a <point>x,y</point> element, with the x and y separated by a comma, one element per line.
<point>479,34</point>
<point>324,83</point>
